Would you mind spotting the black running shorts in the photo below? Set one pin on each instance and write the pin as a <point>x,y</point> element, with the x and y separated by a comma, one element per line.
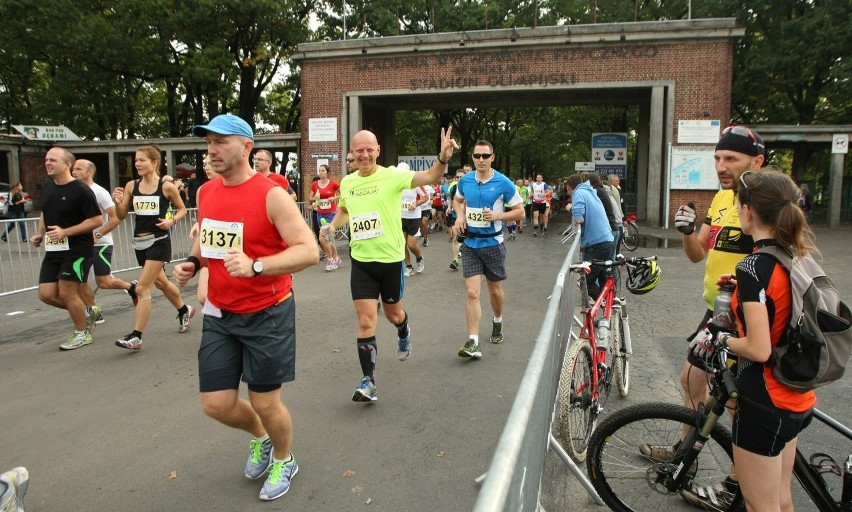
<point>259,348</point>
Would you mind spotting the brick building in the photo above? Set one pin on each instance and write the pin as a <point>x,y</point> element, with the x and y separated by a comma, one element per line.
<point>677,70</point>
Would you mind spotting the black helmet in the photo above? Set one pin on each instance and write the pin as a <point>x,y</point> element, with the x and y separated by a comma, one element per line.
<point>643,277</point>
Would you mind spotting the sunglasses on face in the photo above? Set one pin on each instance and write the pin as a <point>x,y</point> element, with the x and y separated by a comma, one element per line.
<point>483,156</point>
<point>743,193</point>
<point>742,131</point>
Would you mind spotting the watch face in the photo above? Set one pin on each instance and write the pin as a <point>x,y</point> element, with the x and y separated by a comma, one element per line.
<point>257,266</point>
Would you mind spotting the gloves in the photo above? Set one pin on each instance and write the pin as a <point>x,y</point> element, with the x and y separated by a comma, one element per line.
<point>685,219</point>
<point>707,341</point>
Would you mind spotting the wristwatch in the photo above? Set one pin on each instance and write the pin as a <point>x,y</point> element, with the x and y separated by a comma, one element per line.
<point>98,235</point>
<point>257,267</point>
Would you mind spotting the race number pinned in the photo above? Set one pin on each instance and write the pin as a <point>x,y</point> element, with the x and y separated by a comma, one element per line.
<point>476,218</point>
<point>59,245</point>
<point>365,226</point>
<point>146,205</point>
<point>218,237</point>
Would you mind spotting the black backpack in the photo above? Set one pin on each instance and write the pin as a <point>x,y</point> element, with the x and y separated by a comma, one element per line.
<point>817,342</point>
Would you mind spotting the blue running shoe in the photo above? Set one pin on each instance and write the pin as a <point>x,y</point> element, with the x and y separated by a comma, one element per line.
<point>403,349</point>
<point>259,458</point>
<point>278,482</point>
<point>365,392</point>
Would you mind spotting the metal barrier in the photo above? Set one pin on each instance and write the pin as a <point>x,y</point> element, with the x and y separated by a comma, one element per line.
<point>20,262</point>
<point>513,481</point>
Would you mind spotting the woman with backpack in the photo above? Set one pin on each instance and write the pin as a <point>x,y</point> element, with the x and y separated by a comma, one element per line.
<point>769,415</point>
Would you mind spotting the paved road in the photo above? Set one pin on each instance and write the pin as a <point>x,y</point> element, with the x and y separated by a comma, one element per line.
<point>102,429</point>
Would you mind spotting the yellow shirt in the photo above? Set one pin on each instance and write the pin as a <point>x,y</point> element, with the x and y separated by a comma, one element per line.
<point>727,244</point>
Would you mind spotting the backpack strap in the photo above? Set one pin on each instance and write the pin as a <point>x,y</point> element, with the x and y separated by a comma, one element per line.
<point>783,256</point>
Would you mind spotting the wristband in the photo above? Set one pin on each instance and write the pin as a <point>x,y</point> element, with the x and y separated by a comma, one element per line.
<point>722,339</point>
<point>442,162</point>
<point>194,261</point>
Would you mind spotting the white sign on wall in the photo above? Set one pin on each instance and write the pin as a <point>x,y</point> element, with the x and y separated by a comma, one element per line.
<point>693,168</point>
<point>322,129</point>
<point>840,143</point>
<point>45,132</point>
<point>419,162</point>
<point>584,166</point>
<point>698,131</point>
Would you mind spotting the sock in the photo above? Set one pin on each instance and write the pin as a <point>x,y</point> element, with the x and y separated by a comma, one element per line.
<point>498,320</point>
<point>285,461</point>
<point>511,228</point>
<point>535,227</point>
<point>474,338</point>
<point>409,266</point>
<point>367,356</point>
<point>137,333</point>
<point>419,259</point>
<point>402,327</point>
<point>264,438</point>
<point>79,332</point>
<point>183,310</point>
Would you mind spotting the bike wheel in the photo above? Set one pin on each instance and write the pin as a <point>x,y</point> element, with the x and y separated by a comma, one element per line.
<point>631,237</point>
<point>629,481</point>
<point>575,420</point>
<point>620,359</point>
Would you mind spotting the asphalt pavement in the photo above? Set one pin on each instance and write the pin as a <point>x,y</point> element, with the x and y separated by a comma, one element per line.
<point>105,429</point>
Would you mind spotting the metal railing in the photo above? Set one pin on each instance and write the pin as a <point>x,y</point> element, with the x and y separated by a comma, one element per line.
<point>20,262</point>
<point>513,481</point>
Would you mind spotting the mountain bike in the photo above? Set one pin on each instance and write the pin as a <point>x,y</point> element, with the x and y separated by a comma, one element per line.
<point>586,376</point>
<point>631,233</point>
<point>627,480</point>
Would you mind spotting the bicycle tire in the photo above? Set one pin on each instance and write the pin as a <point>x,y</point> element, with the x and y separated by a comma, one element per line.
<point>625,479</point>
<point>620,358</point>
<point>575,420</point>
<point>631,237</point>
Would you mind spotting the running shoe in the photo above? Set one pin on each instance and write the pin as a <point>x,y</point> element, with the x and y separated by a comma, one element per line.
<point>403,349</point>
<point>100,319</point>
<point>338,263</point>
<point>76,340</point>
<point>535,232</point>
<point>513,237</point>
<point>454,265</point>
<point>470,349</point>
<point>426,241</point>
<point>16,481</point>
<point>259,459</point>
<point>132,292</point>
<point>92,314</point>
<point>711,497</point>
<point>323,256</point>
<point>278,482</point>
<point>496,332</point>
<point>409,272</point>
<point>658,453</point>
<point>185,321</point>
<point>130,342</point>
<point>365,392</point>
<point>421,265</point>
<point>329,266</point>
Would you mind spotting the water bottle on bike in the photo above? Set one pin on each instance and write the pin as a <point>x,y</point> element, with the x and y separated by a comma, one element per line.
<point>602,334</point>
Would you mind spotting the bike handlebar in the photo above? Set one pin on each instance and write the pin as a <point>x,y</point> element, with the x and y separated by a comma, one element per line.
<point>619,261</point>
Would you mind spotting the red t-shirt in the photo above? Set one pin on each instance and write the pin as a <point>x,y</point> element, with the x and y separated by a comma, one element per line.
<point>326,193</point>
<point>246,204</point>
<point>280,180</point>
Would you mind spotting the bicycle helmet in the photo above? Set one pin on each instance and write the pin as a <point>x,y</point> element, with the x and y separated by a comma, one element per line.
<point>643,277</point>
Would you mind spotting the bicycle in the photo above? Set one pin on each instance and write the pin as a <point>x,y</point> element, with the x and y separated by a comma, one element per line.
<point>586,377</point>
<point>626,480</point>
<point>631,233</point>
